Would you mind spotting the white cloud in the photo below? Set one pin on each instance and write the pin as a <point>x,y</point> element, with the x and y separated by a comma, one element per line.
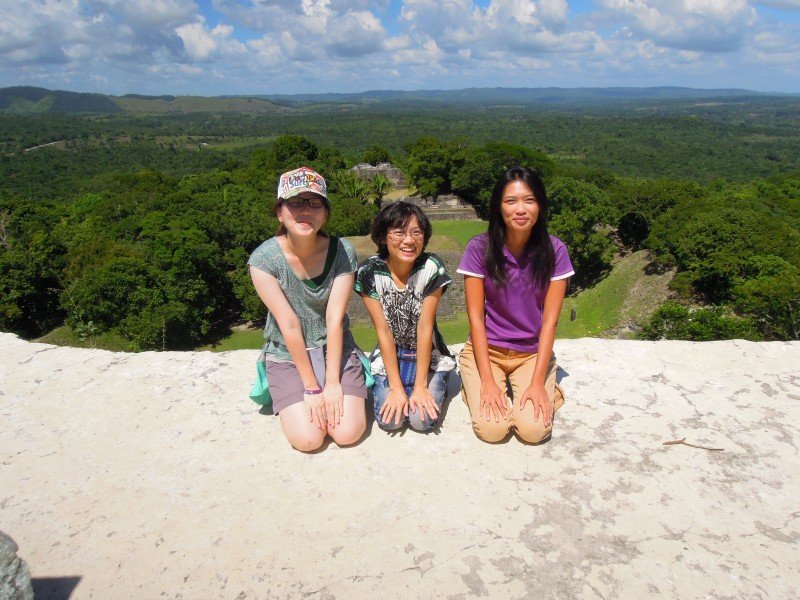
<point>703,25</point>
<point>266,52</point>
<point>259,46</point>
<point>355,34</point>
<point>200,42</point>
<point>428,53</point>
<point>154,13</point>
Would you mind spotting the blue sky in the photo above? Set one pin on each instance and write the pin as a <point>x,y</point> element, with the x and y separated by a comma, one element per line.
<point>215,47</point>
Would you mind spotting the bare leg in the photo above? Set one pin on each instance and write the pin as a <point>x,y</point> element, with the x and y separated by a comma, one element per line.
<point>353,422</point>
<point>301,433</point>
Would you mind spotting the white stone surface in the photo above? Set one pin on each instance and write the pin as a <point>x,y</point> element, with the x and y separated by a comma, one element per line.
<point>153,476</point>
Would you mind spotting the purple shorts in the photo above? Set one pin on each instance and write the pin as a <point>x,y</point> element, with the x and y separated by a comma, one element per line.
<point>286,387</point>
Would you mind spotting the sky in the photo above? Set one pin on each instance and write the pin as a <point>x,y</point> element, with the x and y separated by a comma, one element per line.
<point>222,47</point>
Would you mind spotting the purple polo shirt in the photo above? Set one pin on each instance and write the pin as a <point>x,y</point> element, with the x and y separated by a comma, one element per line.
<point>513,311</point>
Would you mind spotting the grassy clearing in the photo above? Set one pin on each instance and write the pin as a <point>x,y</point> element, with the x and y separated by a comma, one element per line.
<point>65,336</point>
<point>239,339</point>
<point>625,298</point>
<point>397,194</point>
<point>460,231</point>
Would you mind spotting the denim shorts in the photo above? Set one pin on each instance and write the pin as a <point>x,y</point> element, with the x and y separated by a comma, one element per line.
<point>437,385</point>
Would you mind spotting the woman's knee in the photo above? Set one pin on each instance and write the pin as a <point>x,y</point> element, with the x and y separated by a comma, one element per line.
<point>301,433</point>
<point>307,440</point>
<point>353,424</point>
<point>392,425</point>
<point>419,423</point>
<point>349,432</point>
<point>491,431</point>
<point>533,432</point>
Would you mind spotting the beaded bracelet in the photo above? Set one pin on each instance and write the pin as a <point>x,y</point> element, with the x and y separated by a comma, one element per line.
<point>312,392</point>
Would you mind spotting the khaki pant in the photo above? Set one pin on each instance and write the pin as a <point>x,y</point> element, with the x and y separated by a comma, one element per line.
<point>516,367</point>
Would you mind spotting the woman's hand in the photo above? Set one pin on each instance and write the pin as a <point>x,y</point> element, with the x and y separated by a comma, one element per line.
<point>315,404</point>
<point>395,407</point>
<point>537,396</point>
<point>493,401</point>
<point>422,401</point>
<point>333,398</point>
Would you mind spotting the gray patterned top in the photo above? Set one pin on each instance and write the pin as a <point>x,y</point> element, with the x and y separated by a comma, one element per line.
<point>308,303</point>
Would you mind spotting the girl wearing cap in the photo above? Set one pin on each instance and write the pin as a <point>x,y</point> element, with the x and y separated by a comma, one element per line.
<point>304,277</point>
<point>401,288</point>
<point>515,278</point>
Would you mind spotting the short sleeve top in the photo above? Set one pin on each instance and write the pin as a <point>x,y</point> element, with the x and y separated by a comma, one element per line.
<point>402,306</point>
<point>309,303</point>
<point>514,310</point>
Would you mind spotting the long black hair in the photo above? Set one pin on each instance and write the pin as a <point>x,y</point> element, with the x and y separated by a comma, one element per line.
<point>539,247</point>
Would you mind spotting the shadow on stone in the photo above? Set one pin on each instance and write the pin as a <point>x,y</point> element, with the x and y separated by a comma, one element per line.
<point>54,588</point>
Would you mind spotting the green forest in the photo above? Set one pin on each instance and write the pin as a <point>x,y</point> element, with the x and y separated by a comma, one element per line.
<point>135,227</point>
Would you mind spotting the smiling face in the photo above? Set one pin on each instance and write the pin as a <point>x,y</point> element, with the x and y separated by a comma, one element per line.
<point>405,243</point>
<point>519,208</point>
<point>303,214</point>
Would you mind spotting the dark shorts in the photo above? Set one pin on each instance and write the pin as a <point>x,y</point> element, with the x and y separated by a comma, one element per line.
<point>286,387</point>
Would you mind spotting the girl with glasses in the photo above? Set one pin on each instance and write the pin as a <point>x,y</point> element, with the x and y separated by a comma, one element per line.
<point>304,277</point>
<point>515,278</point>
<point>401,287</point>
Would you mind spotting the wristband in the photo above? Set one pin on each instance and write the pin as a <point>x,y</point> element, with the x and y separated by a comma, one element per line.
<point>312,392</point>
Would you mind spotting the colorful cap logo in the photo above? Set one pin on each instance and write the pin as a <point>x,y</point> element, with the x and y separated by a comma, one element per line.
<point>301,180</point>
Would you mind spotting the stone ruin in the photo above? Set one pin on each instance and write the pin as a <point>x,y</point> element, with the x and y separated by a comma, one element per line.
<point>443,207</point>
<point>367,171</point>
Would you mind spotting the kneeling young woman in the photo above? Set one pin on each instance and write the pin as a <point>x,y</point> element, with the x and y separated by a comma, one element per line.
<point>515,278</point>
<point>304,277</point>
<point>401,288</point>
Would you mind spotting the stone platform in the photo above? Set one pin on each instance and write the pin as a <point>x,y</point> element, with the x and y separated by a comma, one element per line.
<point>153,476</point>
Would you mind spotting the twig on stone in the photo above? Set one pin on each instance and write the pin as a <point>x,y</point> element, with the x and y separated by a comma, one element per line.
<point>685,443</point>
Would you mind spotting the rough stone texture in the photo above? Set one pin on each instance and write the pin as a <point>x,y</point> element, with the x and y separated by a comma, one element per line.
<point>15,577</point>
<point>368,171</point>
<point>152,476</point>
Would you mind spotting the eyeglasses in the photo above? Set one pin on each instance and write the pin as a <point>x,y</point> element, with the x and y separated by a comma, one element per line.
<point>310,202</point>
<point>398,235</point>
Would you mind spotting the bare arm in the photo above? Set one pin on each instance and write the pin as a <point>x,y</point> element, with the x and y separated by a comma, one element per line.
<point>334,322</point>
<point>552,309</point>
<point>386,342</point>
<point>270,292</point>
<point>476,313</point>
<point>536,392</point>
<point>493,400</point>
<point>427,318</point>
<point>395,408</point>
<point>421,398</point>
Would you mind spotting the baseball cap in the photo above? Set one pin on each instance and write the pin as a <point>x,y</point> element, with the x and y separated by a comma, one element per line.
<point>304,179</point>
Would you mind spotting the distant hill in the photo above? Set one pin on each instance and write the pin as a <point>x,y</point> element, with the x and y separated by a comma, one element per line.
<point>549,95</point>
<point>33,100</point>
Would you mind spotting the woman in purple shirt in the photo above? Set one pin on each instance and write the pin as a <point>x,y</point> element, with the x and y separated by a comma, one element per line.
<point>515,278</point>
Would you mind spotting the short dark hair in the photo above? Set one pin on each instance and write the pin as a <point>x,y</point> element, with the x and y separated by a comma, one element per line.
<point>397,214</point>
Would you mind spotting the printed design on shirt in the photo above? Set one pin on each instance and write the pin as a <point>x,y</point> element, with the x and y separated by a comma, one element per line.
<point>402,309</point>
